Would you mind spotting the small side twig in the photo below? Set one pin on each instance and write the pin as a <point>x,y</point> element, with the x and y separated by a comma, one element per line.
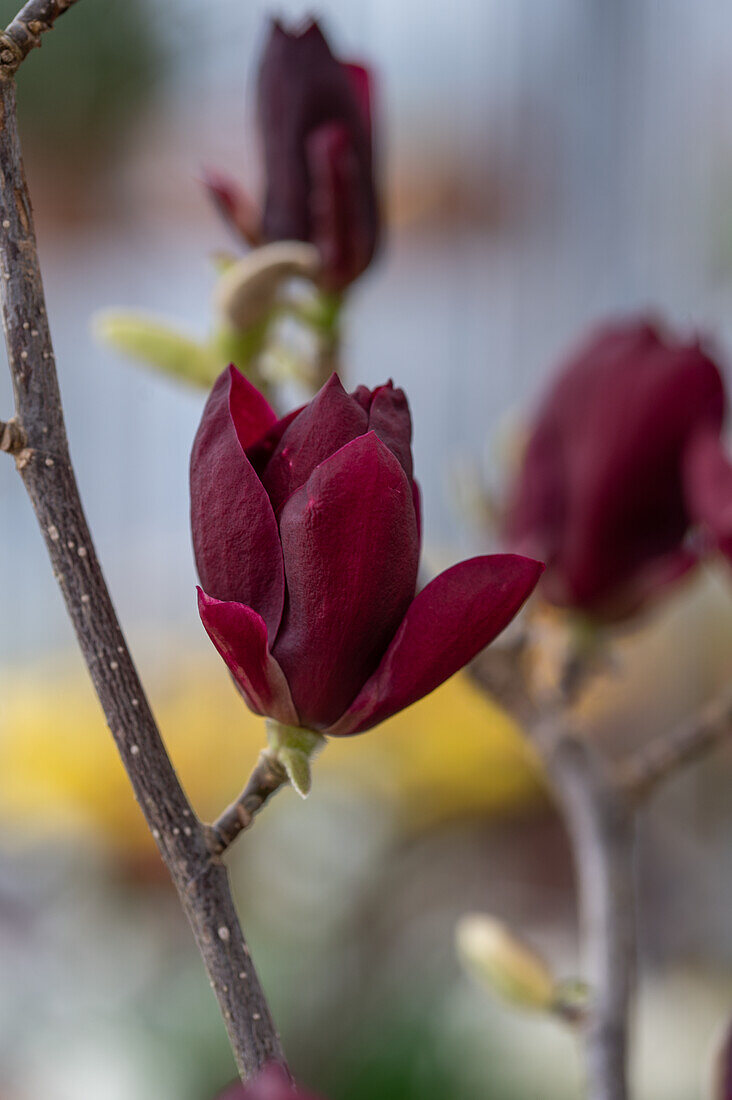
<point>24,33</point>
<point>265,780</point>
<point>665,756</point>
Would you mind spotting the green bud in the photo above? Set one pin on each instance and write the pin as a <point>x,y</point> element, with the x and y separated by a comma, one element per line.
<point>501,962</point>
<point>156,343</point>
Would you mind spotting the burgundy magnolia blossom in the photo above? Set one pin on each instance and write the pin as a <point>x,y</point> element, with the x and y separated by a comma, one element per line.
<point>315,123</point>
<point>306,537</point>
<point>623,459</point>
<point>271,1084</point>
<point>708,479</point>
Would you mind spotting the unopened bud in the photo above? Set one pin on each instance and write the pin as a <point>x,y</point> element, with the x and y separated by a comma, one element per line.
<point>157,343</point>
<point>493,955</point>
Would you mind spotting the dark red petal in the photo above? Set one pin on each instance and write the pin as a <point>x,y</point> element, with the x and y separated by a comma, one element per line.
<point>448,623</point>
<point>252,414</point>
<point>240,636</point>
<point>234,205</point>
<point>389,417</point>
<point>349,538</point>
<point>235,538</point>
<point>338,205</point>
<point>260,452</point>
<point>318,153</point>
<point>708,484</point>
<point>417,500</point>
<point>331,420</point>
<point>363,395</point>
<point>362,85</point>
<point>644,586</point>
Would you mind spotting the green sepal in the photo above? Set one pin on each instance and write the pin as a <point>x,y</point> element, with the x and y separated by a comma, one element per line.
<point>294,748</point>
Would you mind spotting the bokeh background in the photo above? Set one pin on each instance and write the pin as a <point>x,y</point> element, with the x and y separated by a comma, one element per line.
<point>545,163</point>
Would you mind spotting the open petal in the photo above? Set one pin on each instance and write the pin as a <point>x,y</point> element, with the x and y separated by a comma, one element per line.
<point>331,420</point>
<point>349,539</point>
<point>448,623</point>
<point>708,488</point>
<point>235,537</point>
<point>240,636</point>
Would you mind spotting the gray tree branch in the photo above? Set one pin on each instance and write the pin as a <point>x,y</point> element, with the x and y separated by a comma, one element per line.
<point>37,438</point>
<point>600,824</point>
<point>598,805</point>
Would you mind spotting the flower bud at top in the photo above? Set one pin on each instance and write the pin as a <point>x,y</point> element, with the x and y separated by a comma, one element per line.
<point>315,124</point>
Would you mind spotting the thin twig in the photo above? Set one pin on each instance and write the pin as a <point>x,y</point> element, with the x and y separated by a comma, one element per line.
<point>265,780</point>
<point>665,756</point>
<point>24,33</point>
<point>45,467</point>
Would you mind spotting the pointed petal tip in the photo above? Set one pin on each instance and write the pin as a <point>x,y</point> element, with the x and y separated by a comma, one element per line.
<point>455,616</point>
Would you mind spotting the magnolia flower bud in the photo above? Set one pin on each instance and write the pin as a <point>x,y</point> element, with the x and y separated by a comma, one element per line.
<point>501,962</point>
<point>306,536</point>
<point>622,462</point>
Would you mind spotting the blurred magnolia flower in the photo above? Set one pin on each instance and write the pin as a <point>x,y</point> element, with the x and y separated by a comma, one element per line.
<point>623,460</point>
<point>494,956</point>
<point>708,474</point>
